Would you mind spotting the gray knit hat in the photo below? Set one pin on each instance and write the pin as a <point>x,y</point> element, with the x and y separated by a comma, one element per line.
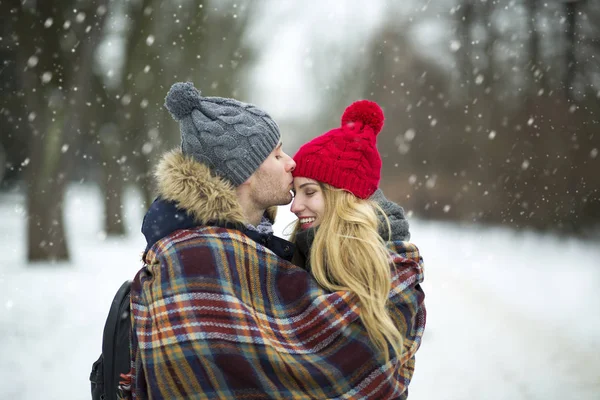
<point>231,137</point>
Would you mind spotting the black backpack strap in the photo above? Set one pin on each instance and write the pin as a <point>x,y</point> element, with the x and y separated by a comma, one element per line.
<point>119,310</point>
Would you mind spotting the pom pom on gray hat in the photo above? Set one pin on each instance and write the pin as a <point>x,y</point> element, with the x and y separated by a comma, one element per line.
<point>230,137</point>
<point>182,99</point>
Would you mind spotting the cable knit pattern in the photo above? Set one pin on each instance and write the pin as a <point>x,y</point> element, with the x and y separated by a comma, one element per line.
<point>230,137</point>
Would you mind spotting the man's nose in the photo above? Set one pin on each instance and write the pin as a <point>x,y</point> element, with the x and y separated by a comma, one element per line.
<point>291,165</point>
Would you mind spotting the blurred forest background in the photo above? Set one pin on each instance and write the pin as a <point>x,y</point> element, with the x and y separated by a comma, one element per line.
<point>492,107</point>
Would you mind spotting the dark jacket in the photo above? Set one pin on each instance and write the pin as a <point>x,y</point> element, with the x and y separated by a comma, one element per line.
<point>164,218</point>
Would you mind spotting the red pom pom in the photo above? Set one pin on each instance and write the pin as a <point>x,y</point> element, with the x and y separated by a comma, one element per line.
<point>365,111</point>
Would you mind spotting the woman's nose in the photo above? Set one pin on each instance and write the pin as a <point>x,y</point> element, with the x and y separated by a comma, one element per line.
<point>296,206</point>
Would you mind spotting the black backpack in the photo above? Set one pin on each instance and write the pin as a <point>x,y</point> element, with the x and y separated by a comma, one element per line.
<point>115,358</point>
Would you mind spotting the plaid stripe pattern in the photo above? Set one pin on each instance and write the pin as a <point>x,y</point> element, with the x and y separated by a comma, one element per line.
<point>217,316</point>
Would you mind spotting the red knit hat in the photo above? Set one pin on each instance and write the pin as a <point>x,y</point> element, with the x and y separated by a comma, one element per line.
<point>346,157</point>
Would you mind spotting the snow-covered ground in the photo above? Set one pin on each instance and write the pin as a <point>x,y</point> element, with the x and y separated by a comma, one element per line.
<point>511,316</point>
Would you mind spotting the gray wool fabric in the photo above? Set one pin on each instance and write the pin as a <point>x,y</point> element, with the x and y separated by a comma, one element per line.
<point>395,214</point>
<point>231,137</point>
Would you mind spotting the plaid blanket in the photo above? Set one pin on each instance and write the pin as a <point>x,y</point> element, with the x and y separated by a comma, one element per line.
<point>218,316</point>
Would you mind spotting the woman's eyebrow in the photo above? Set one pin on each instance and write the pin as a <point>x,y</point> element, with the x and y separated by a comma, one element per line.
<point>306,184</point>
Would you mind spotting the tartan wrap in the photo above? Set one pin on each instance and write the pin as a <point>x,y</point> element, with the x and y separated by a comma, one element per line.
<point>218,316</point>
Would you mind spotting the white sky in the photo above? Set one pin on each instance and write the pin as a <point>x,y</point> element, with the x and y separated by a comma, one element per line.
<point>292,35</point>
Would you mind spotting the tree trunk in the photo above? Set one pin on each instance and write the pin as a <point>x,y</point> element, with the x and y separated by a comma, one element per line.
<point>112,181</point>
<point>2,162</point>
<point>110,146</point>
<point>46,239</point>
<point>55,124</point>
<point>537,75</point>
<point>465,64</point>
<point>113,201</point>
<point>573,175</point>
<point>570,9</point>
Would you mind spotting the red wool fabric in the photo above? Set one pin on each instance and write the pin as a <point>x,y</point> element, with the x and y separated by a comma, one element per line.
<point>346,157</point>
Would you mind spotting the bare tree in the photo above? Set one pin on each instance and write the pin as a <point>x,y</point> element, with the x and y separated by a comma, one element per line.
<point>56,66</point>
<point>205,45</point>
<point>510,147</point>
<point>164,42</point>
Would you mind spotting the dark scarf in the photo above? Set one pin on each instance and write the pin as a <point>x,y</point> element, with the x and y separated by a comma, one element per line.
<point>303,241</point>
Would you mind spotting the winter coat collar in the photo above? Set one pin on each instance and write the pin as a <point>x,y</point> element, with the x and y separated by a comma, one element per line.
<point>192,186</point>
<point>190,195</point>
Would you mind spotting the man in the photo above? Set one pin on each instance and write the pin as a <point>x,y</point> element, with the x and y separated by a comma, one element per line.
<point>217,310</point>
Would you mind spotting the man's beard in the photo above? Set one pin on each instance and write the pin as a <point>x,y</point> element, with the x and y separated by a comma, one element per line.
<point>276,198</point>
<point>268,195</point>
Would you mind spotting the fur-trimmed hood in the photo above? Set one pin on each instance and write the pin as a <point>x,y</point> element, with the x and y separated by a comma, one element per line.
<point>193,187</point>
<point>190,195</point>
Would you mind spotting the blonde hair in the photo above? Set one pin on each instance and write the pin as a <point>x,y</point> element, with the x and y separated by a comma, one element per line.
<point>348,254</point>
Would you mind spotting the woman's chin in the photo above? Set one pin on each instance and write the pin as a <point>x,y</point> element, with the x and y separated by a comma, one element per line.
<point>306,226</point>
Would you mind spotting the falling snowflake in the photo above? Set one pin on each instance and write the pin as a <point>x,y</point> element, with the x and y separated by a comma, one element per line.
<point>147,148</point>
<point>430,184</point>
<point>126,99</point>
<point>46,77</point>
<point>153,134</point>
<point>33,61</point>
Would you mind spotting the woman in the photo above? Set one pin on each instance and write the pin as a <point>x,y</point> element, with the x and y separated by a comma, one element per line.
<point>344,236</point>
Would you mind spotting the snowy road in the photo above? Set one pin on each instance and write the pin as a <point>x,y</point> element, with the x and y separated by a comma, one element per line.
<point>510,316</point>
<point>493,336</point>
